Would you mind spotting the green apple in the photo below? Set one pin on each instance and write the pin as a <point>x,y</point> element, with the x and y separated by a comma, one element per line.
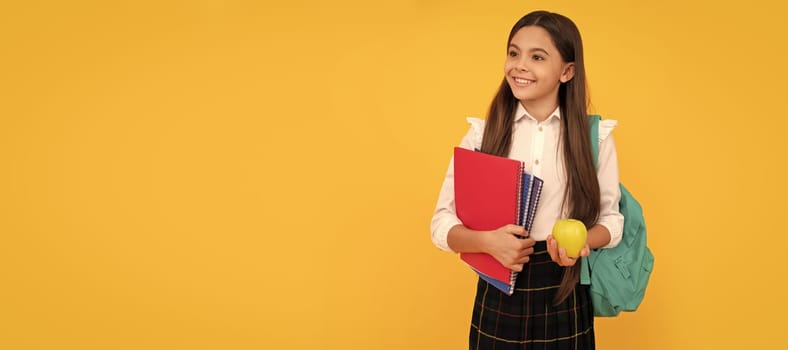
<point>571,235</point>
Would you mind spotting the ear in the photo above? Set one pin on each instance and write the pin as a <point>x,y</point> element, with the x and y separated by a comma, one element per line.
<point>568,73</point>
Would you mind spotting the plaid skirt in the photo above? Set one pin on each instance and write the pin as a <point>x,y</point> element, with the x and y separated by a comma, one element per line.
<point>529,319</point>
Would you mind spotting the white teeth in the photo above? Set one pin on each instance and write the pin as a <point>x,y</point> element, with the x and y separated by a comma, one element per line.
<point>523,81</point>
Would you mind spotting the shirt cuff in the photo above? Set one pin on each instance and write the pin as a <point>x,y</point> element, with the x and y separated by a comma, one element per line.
<point>440,236</point>
<point>614,225</point>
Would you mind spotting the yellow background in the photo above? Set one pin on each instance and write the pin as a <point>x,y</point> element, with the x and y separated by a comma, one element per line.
<point>254,175</point>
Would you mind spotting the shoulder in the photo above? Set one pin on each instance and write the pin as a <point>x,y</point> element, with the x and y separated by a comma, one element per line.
<point>606,127</point>
<point>476,131</point>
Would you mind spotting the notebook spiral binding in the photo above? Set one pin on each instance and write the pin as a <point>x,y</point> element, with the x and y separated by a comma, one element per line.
<point>519,215</point>
<point>537,191</point>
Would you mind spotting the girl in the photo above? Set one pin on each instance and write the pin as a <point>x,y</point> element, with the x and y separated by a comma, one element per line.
<point>538,116</point>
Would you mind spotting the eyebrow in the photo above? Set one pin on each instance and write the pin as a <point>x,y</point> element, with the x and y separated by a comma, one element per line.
<point>532,49</point>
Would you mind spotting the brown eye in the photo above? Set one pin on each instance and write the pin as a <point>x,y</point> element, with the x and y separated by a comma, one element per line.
<point>537,58</point>
<point>512,53</point>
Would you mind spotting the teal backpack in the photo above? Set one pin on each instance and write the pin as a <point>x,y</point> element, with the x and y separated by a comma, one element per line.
<point>618,276</point>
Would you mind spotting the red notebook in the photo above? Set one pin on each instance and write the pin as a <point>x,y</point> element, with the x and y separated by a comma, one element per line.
<point>490,192</point>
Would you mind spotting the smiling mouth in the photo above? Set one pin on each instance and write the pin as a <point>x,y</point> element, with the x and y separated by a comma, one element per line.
<point>523,82</point>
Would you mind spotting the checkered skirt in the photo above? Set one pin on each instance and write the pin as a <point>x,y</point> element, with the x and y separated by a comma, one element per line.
<point>528,319</point>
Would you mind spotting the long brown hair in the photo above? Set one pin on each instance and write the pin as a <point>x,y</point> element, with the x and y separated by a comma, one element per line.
<point>582,186</point>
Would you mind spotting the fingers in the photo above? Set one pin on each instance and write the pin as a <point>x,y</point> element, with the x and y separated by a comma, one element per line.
<point>586,251</point>
<point>552,249</point>
<point>523,256</point>
<point>515,230</point>
<point>509,249</point>
<point>565,259</point>
<point>558,255</point>
<point>523,259</point>
<point>520,256</point>
<point>515,267</point>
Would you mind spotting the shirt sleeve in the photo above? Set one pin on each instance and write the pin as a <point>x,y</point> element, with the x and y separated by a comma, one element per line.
<point>610,193</point>
<point>445,215</point>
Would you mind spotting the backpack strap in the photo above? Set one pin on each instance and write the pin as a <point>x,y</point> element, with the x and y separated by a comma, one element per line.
<point>585,270</point>
<point>594,123</point>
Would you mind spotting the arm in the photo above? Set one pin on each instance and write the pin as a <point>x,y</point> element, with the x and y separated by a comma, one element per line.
<point>445,218</point>
<point>449,234</point>
<point>598,236</point>
<point>608,230</point>
<point>502,244</point>
<point>610,219</point>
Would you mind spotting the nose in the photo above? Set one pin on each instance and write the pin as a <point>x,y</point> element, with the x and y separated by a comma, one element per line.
<point>521,64</point>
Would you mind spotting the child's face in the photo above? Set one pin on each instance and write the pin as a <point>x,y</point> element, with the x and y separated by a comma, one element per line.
<point>534,68</point>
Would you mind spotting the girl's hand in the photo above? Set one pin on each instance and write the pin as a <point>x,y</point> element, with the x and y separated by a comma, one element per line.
<point>559,254</point>
<point>508,249</point>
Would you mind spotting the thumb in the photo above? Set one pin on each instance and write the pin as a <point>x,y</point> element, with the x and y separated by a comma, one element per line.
<point>515,230</point>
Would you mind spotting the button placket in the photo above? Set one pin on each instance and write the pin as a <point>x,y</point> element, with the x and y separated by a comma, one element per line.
<point>537,150</point>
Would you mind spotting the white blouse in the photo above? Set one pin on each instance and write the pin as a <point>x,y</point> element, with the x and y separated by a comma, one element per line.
<point>537,144</point>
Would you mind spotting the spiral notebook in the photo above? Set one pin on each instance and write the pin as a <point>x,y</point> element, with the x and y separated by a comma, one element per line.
<point>490,192</point>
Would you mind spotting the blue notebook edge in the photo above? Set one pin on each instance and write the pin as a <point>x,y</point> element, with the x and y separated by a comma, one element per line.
<point>507,289</point>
